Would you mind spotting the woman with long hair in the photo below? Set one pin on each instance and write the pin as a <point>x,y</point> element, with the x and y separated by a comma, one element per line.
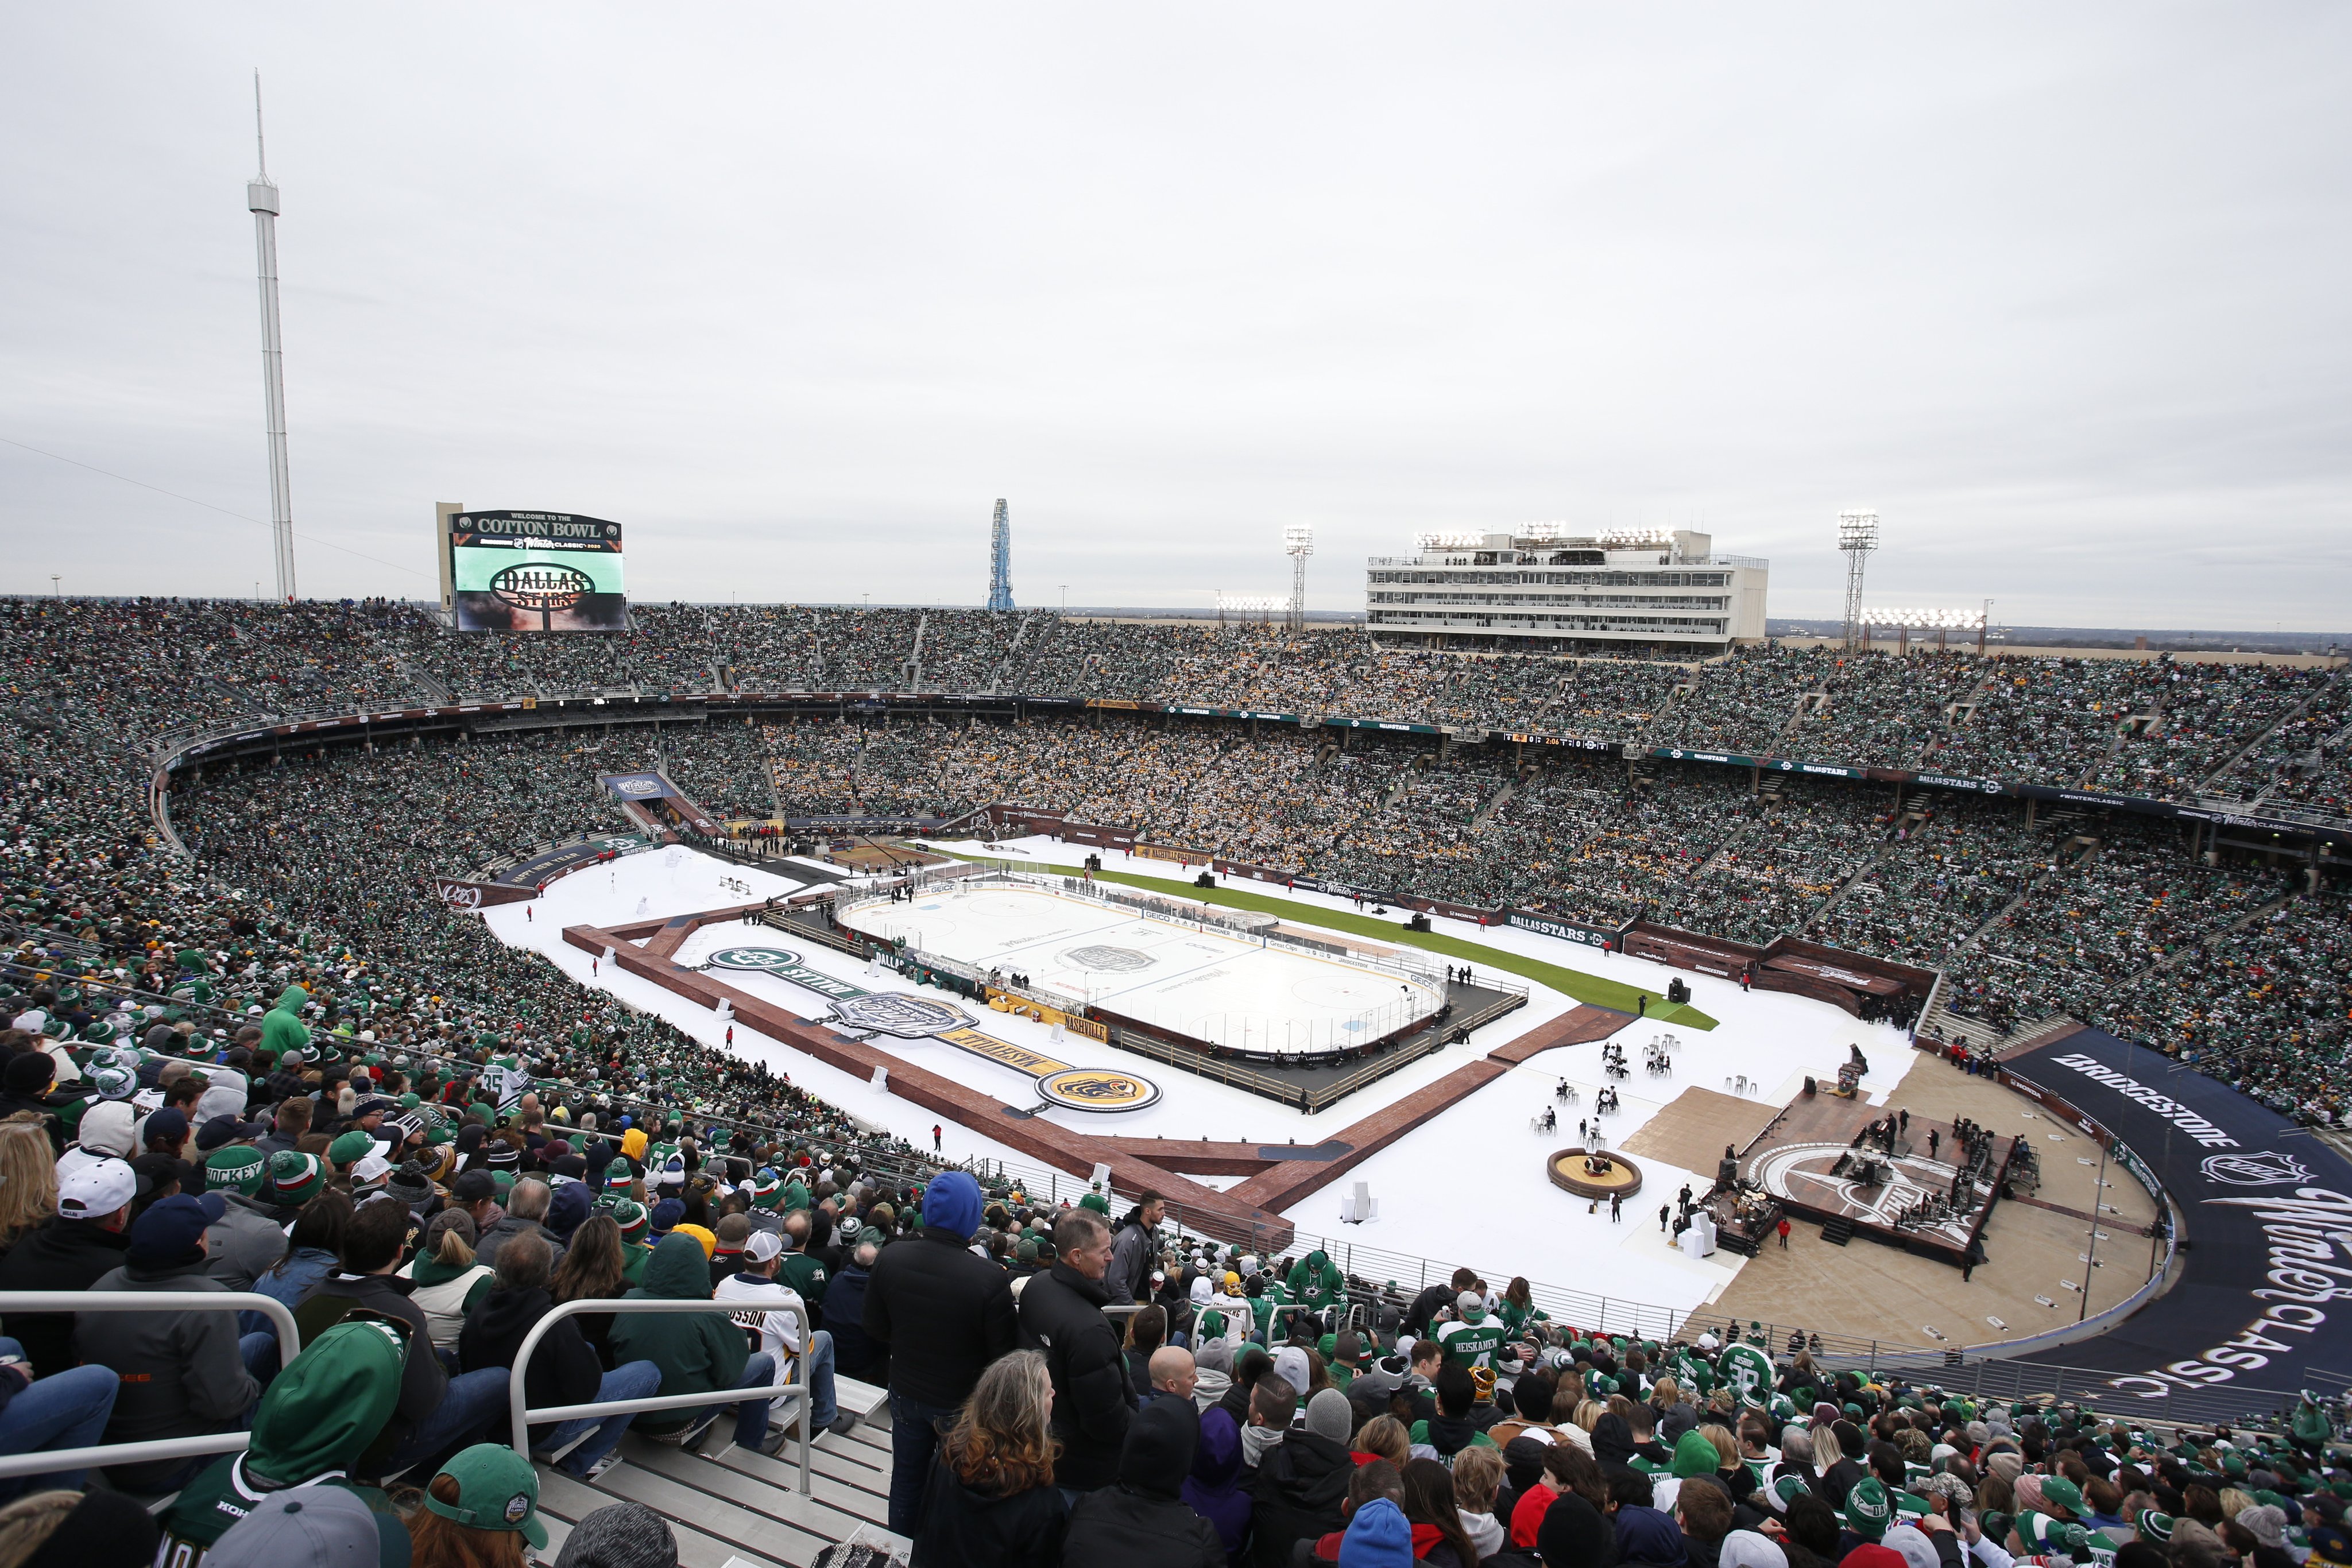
<point>1438,1538</point>
<point>448,1283</point>
<point>28,1177</point>
<point>991,1501</point>
<point>478,1512</point>
<point>595,1269</point>
<point>1518,1306</point>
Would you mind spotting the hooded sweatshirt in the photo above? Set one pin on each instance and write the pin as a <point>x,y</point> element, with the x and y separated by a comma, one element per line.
<point>282,1029</point>
<point>1378,1537</point>
<point>1141,1522</point>
<point>697,1352</point>
<point>1694,1456</point>
<point>1214,1489</point>
<point>311,1426</point>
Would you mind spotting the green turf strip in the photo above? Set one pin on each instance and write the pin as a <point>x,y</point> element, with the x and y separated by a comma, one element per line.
<point>1569,982</point>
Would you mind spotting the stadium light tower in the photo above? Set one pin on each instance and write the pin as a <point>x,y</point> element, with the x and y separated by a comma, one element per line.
<point>1000,559</point>
<point>1857,537</point>
<point>261,200</point>
<point>1298,543</point>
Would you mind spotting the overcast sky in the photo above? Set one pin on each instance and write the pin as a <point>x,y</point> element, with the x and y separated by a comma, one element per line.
<point>795,294</point>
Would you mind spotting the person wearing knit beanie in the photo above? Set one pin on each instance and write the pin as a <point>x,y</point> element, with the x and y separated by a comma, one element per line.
<point>623,1535</point>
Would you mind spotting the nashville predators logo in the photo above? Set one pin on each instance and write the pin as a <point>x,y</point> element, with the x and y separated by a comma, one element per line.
<point>1097,1089</point>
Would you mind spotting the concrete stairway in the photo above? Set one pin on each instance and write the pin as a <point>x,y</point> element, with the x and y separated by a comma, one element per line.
<point>742,1507</point>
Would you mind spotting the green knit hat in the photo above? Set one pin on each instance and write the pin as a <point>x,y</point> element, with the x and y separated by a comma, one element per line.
<point>619,1175</point>
<point>1867,1510</point>
<point>629,1215</point>
<point>295,1178</point>
<point>238,1165</point>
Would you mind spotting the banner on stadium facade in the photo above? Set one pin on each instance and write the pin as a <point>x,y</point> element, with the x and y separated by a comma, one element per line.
<point>1387,724</point>
<point>2264,1295</point>
<point>638,786</point>
<point>864,824</point>
<point>1827,769</point>
<point>1172,852</point>
<point>536,871</point>
<point>1569,742</point>
<point>1125,704</point>
<point>1952,781</point>
<point>1607,938</point>
<point>1678,754</point>
<point>464,893</point>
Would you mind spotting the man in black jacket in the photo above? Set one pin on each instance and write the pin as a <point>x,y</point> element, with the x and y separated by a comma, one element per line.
<point>1061,1314</point>
<point>1144,1522</point>
<point>436,1410</point>
<point>956,1311</point>
<point>1301,1483</point>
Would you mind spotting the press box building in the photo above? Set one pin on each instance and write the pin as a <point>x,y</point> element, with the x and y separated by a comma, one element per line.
<point>1540,589</point>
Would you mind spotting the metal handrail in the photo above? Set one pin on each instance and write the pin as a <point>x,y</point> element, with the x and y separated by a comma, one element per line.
<point>520,1418</point>
<point>48,1461</point>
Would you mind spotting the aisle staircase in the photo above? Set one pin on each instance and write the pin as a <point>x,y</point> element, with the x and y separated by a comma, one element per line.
<point>740,1507</point>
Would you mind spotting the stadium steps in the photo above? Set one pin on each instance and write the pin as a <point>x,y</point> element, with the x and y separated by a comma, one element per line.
<point>729,1504</point>
<point>1494,803</point>
<point>2213,781</point>
<point>1837,1232</point>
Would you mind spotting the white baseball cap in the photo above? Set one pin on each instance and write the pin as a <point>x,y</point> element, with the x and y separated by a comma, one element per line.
<point>371,1169</point>
<point>95,1189</point>
<point>763,1245</point>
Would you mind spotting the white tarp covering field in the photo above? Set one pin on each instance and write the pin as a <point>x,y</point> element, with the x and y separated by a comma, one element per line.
<point>1468,1187</point>
<point>1231,990</point>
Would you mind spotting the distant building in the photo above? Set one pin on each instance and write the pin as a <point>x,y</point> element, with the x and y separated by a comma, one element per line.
<point>1540,589</point>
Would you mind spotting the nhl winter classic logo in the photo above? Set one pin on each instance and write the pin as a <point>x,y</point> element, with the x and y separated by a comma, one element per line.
<point>2264,1169</point>
<point>892,1013</point>
<point>1116,960</point>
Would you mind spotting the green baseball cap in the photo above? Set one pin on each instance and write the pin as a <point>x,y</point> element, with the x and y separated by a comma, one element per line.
<point>1867,1510</point>
<point>2064,1492</point>
<point>351,1148</point>
<point>496,1489</point>
<point>238,1165</point>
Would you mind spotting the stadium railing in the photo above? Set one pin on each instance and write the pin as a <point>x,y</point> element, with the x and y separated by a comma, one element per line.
<point>521,1418</point>
<point>18,1302</point>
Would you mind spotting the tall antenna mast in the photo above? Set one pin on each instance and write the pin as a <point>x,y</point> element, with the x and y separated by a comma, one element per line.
<point>261,200</point>
<point>1000,559</point>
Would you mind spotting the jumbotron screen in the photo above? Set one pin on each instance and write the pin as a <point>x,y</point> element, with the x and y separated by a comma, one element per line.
<point>536,571</point>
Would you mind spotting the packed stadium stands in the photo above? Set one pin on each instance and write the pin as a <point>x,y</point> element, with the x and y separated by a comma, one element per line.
<point>288,960</point>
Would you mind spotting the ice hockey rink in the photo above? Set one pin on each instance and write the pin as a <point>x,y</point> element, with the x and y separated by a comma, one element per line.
<point>1229,990</point>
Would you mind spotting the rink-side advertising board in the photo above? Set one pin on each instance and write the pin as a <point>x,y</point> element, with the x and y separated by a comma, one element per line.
<point>905,1015</point>
<point>2264,1292</point>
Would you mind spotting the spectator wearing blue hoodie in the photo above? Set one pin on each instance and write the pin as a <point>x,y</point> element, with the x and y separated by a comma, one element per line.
<point>943,1314</point>
<point>1377,1537</point>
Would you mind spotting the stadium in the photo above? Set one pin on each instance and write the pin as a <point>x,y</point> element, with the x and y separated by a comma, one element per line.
<point>781,1053</point>
<point>1329,916</point>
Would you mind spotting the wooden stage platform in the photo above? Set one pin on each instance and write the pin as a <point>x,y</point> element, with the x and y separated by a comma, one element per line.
<point>1804,1159</point>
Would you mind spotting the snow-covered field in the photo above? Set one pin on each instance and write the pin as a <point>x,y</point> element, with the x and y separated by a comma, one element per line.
<point>1469,1186</point>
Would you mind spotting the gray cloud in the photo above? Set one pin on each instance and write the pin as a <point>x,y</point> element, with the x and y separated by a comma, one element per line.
<point>796,294</point>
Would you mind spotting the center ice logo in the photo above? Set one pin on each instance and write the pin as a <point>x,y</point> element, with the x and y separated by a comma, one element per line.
<point>897,1014</point>
<point>1117,960</point>
<point>753,959</point>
